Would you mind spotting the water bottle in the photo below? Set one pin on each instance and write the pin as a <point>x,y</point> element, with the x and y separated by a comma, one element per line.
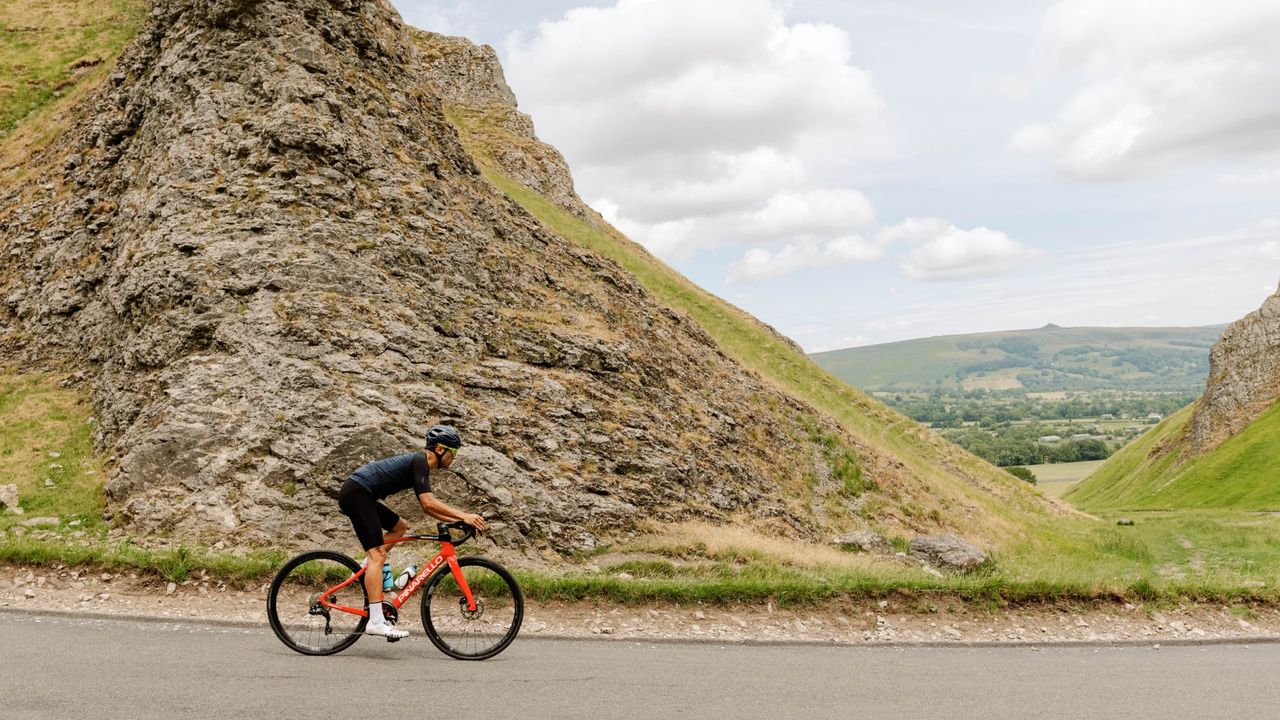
<point>406,575</point>
<point>386,577</point>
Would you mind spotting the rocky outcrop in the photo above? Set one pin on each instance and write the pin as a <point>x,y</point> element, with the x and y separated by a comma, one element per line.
<point>471,84</point>
<point>1244,379</point>
<point>265,250</point>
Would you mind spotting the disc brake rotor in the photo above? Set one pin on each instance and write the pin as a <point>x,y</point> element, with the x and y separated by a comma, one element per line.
<point>469,614</point>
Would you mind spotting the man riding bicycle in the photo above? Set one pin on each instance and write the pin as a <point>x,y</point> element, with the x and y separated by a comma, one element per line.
<point>359,500</point>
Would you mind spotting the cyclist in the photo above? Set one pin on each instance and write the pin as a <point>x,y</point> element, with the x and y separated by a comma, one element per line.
<point>358,500</point>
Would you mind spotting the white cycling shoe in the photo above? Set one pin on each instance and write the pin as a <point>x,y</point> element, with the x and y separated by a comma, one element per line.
<point>390,632</point>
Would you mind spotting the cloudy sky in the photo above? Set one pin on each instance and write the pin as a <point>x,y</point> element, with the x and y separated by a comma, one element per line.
<point>863,172</point>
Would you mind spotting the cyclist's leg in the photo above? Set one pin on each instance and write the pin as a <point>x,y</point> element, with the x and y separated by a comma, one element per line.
<point>393,524</point>
<point>368,517</point>
<point>395,529</point>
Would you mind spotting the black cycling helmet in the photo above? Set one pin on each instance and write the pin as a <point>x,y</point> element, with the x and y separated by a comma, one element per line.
<point>444,435</point>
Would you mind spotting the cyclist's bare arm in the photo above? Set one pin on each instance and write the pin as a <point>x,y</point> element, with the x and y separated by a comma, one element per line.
<point>440,511</point>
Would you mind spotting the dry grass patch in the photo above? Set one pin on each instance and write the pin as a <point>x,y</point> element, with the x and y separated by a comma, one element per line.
<point>743,543</point>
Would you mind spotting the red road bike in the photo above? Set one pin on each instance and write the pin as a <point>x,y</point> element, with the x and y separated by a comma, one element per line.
<point>471,609</point>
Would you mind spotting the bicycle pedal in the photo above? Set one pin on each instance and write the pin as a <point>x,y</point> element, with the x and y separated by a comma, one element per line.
<point>394,639</point>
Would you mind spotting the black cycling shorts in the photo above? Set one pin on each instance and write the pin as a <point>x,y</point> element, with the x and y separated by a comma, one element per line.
<point>368,516</point>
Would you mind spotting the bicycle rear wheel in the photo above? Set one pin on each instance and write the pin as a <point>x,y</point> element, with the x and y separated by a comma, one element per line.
<point>465,634</point>
<point>293,603</point>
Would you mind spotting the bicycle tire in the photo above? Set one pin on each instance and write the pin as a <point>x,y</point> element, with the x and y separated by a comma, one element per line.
<point>299,626</point>
<point>465,635</point>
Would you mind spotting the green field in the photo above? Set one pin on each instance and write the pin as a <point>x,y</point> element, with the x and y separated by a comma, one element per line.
<point>1050,359</point>
<point>1056,479</point>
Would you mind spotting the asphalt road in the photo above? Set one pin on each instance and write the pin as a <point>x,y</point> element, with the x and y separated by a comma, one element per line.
<point>58,667</point>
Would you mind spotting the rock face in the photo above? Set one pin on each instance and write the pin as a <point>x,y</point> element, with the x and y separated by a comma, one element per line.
<point>1244,378</point>
<point>470,82</point>
<point>265,250</point>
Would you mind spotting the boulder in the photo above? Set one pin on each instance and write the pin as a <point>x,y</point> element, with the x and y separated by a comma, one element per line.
<point>9,498</point>
<point>863,541</point>
<point>40,522</point>
<point>948,552</point>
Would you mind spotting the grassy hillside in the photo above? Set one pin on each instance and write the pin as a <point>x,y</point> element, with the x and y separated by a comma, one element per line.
<point>1239,475</point>
<point>52,54</point>
<point>46,449</point>
<point>1045,360</point>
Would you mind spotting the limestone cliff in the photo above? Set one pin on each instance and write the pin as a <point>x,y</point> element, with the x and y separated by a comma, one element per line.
<point>1244,379</point>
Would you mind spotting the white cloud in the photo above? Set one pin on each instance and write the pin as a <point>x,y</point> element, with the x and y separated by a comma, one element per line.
<point>761,263</point>
<point>955,254</point>
<point>1271,250</point>
<point>700,120</point>
<point>821,212</point>
<point>1165,84</point>
<point>1263,178</point>
<point>913,231</point>
<point>940,251</point>
<point>661,190</point>
<point>653,76</point>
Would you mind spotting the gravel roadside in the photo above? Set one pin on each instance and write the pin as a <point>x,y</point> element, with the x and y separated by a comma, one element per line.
<point>905,620</point>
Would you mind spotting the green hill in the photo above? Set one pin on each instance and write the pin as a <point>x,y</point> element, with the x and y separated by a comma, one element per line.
<point>1240,474</point>
<point>1049,359</point>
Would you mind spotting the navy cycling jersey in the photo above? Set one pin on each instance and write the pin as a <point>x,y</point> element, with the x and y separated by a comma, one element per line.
<point>391,475</point>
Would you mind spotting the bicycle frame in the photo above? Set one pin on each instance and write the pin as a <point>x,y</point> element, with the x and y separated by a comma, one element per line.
<point>448,554</point>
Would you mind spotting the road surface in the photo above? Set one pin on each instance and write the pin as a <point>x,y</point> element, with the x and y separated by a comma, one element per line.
<point>64,667</point>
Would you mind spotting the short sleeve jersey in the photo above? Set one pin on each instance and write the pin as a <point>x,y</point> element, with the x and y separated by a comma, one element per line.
<point>391,475</point>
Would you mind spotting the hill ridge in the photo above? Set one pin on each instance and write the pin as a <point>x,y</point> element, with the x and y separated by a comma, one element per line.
<point>1049,358</point>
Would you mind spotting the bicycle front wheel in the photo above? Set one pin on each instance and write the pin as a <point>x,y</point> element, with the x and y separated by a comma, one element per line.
<point>467,634</point>
<point>297,615</point>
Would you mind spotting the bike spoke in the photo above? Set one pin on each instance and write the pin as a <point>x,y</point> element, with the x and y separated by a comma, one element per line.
<point>306,623</point>
<point>480,632</point>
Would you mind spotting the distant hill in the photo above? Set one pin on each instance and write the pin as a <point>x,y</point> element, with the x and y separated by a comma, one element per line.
<point>1049,359</point>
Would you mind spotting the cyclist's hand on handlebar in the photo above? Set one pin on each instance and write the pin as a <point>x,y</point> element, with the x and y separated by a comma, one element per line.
<point>474,521</point>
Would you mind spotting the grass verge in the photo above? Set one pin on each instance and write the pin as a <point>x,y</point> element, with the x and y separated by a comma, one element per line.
<point>713,582</point>
<point>174,565</point>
